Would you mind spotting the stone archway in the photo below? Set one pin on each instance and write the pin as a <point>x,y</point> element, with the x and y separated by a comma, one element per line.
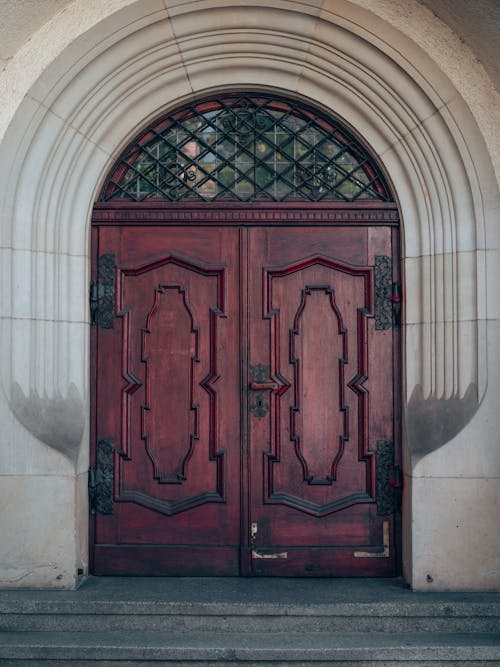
<point>126,67</point>
<point>225,417</point>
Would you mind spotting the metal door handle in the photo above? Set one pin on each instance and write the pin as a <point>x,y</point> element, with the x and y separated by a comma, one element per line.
<point>261,386</point>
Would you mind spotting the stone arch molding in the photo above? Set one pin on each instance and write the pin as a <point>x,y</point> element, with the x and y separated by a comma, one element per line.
<point>145,57</point>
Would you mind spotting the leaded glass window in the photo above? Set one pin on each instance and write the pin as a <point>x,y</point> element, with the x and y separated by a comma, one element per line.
<point>245,148</point>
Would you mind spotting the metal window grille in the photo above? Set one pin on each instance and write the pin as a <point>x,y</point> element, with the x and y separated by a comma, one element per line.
<point>245,148</point>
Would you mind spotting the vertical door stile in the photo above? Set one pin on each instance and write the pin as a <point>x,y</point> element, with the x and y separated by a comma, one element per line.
<point>245,563</point>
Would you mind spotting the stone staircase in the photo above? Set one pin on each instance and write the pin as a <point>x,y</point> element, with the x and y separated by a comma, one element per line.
<point>273,622</point>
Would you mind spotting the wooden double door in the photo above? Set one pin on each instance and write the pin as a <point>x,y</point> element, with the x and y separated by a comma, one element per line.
<point>244,400</point>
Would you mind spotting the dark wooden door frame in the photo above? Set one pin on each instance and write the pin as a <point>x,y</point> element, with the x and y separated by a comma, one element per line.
<point>331,214</point>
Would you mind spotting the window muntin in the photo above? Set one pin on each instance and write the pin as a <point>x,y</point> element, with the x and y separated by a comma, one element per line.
<point>245,148</point>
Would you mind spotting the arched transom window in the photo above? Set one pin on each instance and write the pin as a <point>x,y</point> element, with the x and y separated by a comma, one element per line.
<point>245,148</point>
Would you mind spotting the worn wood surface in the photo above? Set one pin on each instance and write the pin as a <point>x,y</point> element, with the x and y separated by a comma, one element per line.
<point>211,476</point>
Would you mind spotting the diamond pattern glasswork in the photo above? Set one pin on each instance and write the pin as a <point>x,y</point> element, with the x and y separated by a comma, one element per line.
<point>245,148</point>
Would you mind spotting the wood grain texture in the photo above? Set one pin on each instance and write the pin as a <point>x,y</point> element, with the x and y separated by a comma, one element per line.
<point>212,476</point>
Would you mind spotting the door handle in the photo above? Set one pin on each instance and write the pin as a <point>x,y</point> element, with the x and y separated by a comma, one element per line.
<point>262,386</point>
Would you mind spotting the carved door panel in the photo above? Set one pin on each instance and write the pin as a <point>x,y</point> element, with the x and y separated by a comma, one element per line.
<point>167,407</point>
<point>321,402</point>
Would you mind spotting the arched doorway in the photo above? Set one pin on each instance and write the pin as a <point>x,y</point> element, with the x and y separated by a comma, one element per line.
<point>245,353</point>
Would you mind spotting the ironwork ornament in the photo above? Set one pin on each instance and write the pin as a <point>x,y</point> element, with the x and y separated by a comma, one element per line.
<point>386,504</point>
<point>383,292</point>
<point>102,293</point>
<point>246,147</point>
<point>102,484</point>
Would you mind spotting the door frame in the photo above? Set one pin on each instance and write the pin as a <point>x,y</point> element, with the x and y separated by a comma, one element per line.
<point>254,214</point>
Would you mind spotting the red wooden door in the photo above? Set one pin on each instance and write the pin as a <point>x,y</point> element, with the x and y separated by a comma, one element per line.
<point>242,395</point>
<point>322,378</point>
<point>168,403</point>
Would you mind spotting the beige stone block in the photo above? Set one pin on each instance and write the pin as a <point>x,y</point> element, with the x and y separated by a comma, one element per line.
<point>265,74</point>
<point>467,272</point>
<point>491,286</point>
<point>13,148</point>
<point>95,29</point>
<point>67,147</point>
<point>138,96</point>
<point>259,46</point>
<point>416,340</point>
<point>115,74</point>
<point>20,452</point>
<point>57,286</point>
<point>343,48</point>
<point>20,334</point>
<point>37,522</point>
<point>72,281</point>
<point>411,177</point>
<point>5,282</point>
<point>473,451</point>
<point>455,183</point>
<point>49,395</point>
<point>44,285</point>
<point>448,284</point>
<point>443,361</point>
<point>416,289</point>
<point>60,357</point>
<point>476,129</point>
<point>26,217</point>
<point>338,93</point>
<point>455,534</point>
<point>75,206</point>
<point>189,16</point>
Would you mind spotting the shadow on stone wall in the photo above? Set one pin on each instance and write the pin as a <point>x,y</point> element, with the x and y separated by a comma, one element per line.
<point>432,422</point>
<point>57,421</point>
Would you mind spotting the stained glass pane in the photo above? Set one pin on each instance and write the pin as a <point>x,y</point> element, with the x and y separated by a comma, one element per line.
<point>246,147</point>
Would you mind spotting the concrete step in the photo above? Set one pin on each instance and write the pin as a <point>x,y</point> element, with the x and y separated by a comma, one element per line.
<point>464,617</point>
<point>227,648</point>
<point>274,622</point>
<point>252,605</point>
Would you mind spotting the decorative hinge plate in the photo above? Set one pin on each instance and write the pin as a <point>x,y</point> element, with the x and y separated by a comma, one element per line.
<point>101,479</point>
<point>387,295</point>
<point>389,480</point>
<point>102,293</point>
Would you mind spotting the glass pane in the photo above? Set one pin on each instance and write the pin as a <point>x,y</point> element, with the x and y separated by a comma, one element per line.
<point>245,147</point>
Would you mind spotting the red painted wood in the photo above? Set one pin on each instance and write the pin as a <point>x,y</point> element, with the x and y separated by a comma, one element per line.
<point>312,462</point>
<point>200,474</point>
<point>218,213</point>
<point>168,396</point>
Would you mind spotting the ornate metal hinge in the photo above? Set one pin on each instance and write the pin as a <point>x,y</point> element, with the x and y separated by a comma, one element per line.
<point>387,295</point>
<point>389,480</point>
<point>101,479</point>
<point>102,294</point>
